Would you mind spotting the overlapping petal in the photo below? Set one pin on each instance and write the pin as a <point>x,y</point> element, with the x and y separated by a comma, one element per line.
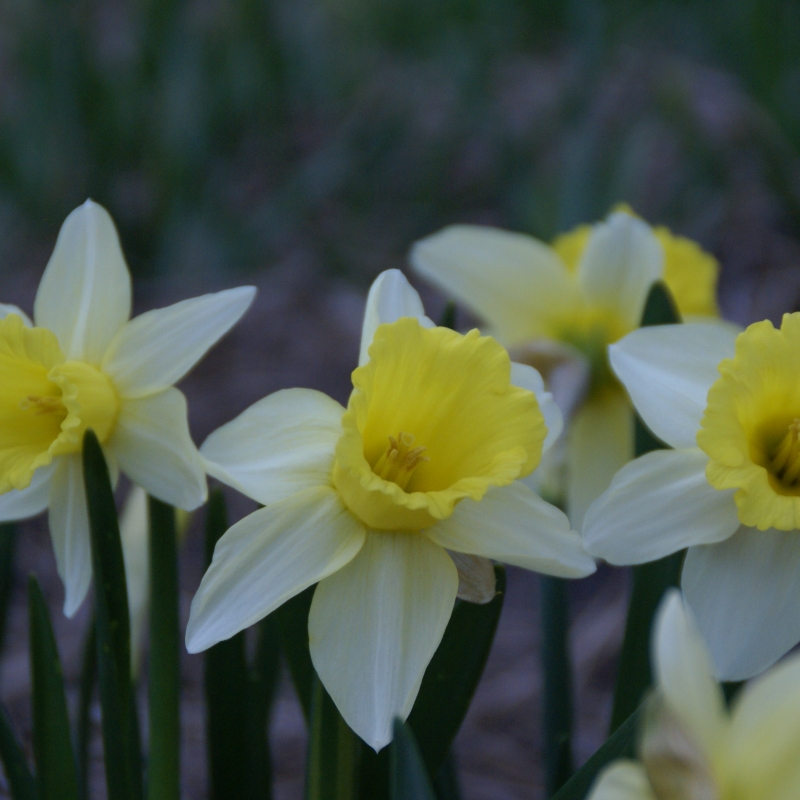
<point>390,297</point>
<point>152,443</point>
<point>85,293</point>
<point>668,370</point>
<point>516,283</point>
<point>7,308</point>
<point>375,625</point>
<point>156,349</point>
<point>24,503</point>
<point>745,595</point>
<point>280,445</point>
<point>526,377</point>
<point>657,505</point>
<point>69,529</point>
<point>267,558</point>
<point>622,780</point>
<point>513,524</point>
<point>622,260</point>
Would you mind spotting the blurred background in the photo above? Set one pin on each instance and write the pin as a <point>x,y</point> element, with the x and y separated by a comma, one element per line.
<point>303,145</point>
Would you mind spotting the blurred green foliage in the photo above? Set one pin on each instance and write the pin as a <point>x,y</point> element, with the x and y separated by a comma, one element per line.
<point>229,134</point>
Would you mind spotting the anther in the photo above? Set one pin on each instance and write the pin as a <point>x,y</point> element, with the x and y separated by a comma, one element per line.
<point>41,405</point>
<point>400,459</point>
<point>786,461</point>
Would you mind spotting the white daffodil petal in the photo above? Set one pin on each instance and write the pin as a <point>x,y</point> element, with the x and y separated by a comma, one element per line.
<point>745,594</point>
<point>267,558</point>
<point>375,625</point>
<point>390,297</point>
<point>622,780</point>
<point>152,443</point>
<point>85,293</point>
<point>134,532</point>
<point>668,370</point>
<point>765,735</point>
<point>516,283</point>
<point>685,674</point>
<point>526,377</point>
<point>513,524</point>
<point>69,530</point>
<point>477,582</point>
<point>599,443</point>
<point>6,309</point>
<point>279,446</point>
<point>24,503</point>
<point>657,505</point>
<point>620,263</point>
<point>155,350</point>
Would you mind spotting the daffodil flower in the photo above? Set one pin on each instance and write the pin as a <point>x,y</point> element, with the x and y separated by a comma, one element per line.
<point>85,365</point>
<point>366,501</point>
<point>567,303</point>
<point>692,747</point>
<point>729,404</point>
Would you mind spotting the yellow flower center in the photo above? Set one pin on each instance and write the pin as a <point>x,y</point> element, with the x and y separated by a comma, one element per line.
<point>46,404</point>
<point>751,426</point>
<point>471,428</point>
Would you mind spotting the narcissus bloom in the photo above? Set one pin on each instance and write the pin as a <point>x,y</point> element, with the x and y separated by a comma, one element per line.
<point>692,747</point>
<point>85,365</point>
<point>730,491</point>
<point>367,501</point>
<point>571,300</point>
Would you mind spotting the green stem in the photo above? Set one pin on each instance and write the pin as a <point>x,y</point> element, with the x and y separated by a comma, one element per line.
<point>163,778</point>
<point>557,701</point>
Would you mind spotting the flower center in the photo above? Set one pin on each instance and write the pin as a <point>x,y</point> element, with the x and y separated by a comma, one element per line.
<point>400,459</point>
<point>39,405</point>
<point>785,462</point>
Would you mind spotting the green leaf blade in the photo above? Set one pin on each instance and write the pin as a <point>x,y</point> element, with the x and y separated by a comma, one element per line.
<point>409,777</point>
<point>18,773</point>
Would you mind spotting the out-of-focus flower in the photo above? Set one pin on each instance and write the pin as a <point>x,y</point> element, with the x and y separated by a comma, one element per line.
<point>85,365</point>
<point>368,500</point>
<point>691,747</point>
<point>730,406</point>
<point>558,308</point>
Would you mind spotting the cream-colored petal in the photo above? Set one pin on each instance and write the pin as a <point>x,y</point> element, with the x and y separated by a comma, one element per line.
<point>599,443</point>
<point>267,558</point>
<point>657,505</point>
<point>685,675</point>
<point>622,780</point>
<point>620,263</point>
<point>668,370</point>
<point>375,625</point>
<point>745,595</point>
<point>476,579</point>
<point>6,309</point>
<point>134,531</point>
<point>154,448</point>
<point>279,446</point>
<point>85,293</point>
<point>764,748</point>
<point>24,503</point>
<point>526,377</point>
<point>516,283</point>
<point>155,350</point>
<point>390,297</point>
<point>513,524</point>
<point>69,530</point>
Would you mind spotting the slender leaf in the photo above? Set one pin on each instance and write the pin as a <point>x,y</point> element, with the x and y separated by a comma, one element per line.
<point>18,774</point>
<point>650,581</point>
<point>292,620</point>
<point>262,681</point>
<point>56,775</point>
<point>123,762</point>
<point>333,751</point>
<point>88,681</point>
<point>164,674</point>
<point>449,316</point>
<point>557,696</point>
<point>621,744</point>
<point>409,777</point>
<point>445,784</point>
<point>226,677</point>
<point>453,675</point>
<point>8,546</point>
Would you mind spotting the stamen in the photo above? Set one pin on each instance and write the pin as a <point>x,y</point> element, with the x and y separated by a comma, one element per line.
<point>41,405</point>
<point>400,459</point>
<point>786,461</point>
